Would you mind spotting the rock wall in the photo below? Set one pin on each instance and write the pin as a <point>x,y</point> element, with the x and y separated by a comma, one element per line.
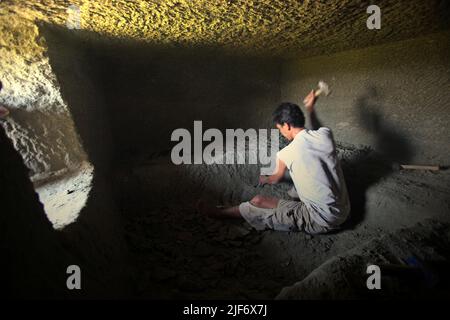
<point>151,91</point>
<point>40,124</point>
<point>43,127</point>
<point>114,90</point>
<point>393,97</point>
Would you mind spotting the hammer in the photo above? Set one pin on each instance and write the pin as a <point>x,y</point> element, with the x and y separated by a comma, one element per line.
<point>322,88</point>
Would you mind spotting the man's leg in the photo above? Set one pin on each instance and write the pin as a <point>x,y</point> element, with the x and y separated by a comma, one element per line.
<point>233,212</point>
<point>264,202</point>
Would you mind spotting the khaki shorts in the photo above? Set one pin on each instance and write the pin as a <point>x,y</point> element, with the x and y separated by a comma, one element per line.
<point>287,216</point>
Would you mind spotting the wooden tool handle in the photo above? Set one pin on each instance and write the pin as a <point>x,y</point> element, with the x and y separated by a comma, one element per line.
<point>417,167</point>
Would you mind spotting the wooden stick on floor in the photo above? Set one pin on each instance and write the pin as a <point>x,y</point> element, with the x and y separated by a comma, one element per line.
<point>417,167</point>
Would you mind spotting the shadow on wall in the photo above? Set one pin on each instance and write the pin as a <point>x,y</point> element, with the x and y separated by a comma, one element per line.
<point>149,90</point>
<point>152,91</point>
<point>366,167</point>
<point>444,14</point>
<point>97,235</point>
<point>389,141</point>
<point>126,98</point>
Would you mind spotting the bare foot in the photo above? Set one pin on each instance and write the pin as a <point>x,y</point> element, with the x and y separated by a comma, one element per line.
<point>3,112</point>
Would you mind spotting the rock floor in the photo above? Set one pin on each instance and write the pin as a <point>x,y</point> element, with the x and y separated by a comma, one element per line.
<point>179,253</point>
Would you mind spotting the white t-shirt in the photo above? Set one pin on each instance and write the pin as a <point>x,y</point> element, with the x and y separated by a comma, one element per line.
<point>317,175</point>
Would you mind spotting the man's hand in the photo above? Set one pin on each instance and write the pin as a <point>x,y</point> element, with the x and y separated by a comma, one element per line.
<point>263,180</point>
<point>309,101</point>
<point>276,177</point>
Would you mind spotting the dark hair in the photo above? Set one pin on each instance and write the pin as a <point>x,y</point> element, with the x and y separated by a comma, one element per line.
<point>289,113</point>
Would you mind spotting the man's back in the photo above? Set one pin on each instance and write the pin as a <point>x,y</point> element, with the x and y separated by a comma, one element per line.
<point>317,175</point>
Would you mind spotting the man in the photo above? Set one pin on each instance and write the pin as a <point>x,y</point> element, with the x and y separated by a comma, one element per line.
<point>311,159</point>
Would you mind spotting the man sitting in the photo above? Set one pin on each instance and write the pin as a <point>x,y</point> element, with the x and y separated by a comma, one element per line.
<point>311,159</point>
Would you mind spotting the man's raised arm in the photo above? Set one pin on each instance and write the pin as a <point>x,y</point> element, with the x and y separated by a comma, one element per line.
<point>309,102</point>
